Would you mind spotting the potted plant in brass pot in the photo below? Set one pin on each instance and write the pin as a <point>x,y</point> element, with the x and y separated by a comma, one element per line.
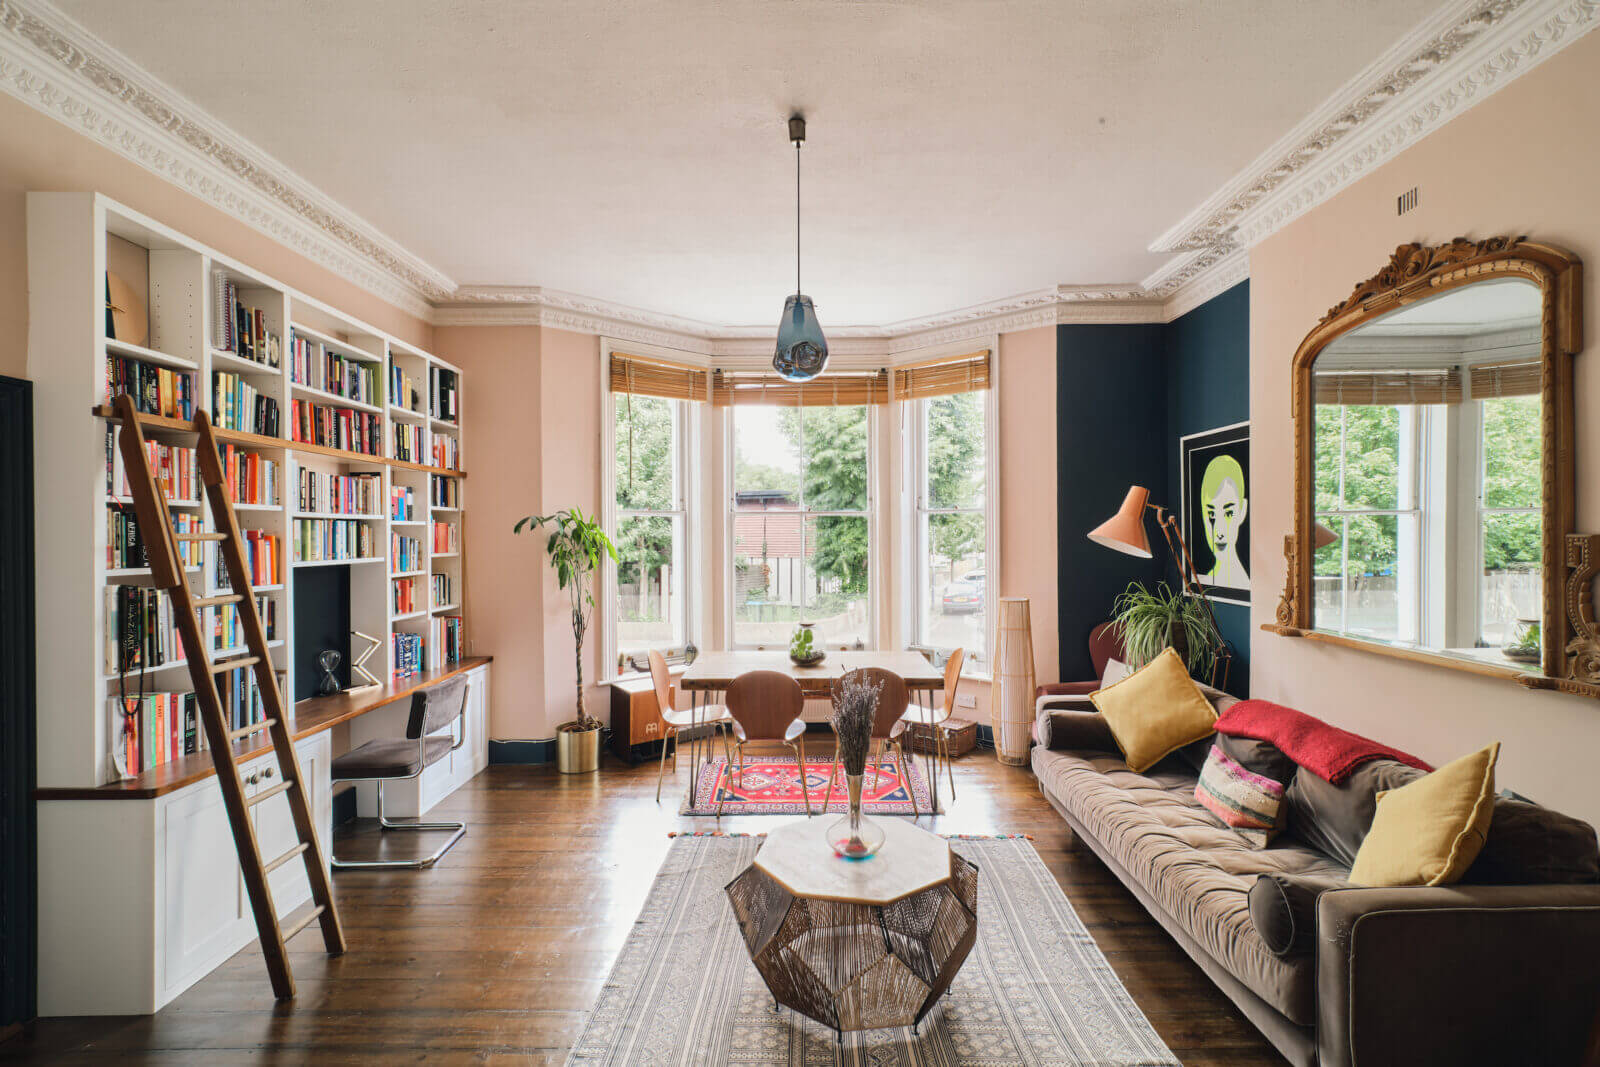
<point>577,548</point>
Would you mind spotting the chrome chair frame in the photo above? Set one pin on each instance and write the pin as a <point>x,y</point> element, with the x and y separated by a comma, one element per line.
<point>384,824</point>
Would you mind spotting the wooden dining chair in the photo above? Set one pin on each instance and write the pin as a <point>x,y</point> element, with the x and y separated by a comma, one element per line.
<point>766,706</point>
<point>937,715</point>
<point>888,725</point>
<point>714,715</point>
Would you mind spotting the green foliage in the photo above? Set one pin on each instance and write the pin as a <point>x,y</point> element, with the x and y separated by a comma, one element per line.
<point>1528,638</point>
<point>577,547</point>
<point>1145,619</point>
<point>802,643</point>
<point>1371,447</point>
<point>835,479</point>
<point>954,448</point>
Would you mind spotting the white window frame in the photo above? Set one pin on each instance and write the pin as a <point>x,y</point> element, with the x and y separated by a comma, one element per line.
<point>689,441</point>
<point>1413,476</point>
<point>731,511</point>
<point>1480,512</point>
<point>917,511</point>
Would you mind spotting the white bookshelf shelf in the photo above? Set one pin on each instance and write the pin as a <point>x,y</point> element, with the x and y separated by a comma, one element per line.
<point>334,398</point>
<point>446,555</point>
<point>336,562</point>
<point>340,348</point>
<point>409,616</point>
<point>405,414</point>
<point>337,515</point>
<point>224,360</point>
<point>407,574</point>
<point>446,607</point>
<point>180,664</point>
<point>149,355</point>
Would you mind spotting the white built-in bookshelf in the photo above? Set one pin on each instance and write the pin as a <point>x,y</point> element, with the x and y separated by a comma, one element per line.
<point>387,458</point>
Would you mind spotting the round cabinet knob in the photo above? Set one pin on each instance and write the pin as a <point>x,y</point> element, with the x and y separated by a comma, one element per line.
<point>253,779</point>
<point>266,772</point>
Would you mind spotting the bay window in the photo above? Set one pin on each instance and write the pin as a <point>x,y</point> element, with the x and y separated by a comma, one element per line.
<point>950,426</point>
<point>800,509</point>
<point>647,595</point>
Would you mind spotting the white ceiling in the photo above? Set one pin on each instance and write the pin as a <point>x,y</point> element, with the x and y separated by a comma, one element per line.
<point>959,150</point>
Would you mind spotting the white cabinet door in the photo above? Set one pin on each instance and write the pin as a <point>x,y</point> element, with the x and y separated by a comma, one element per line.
<point>275,832</point>
<point>478,721</point>
<point>203,903</point>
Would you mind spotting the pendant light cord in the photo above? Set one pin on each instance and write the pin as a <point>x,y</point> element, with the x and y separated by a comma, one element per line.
<point>797,288</point>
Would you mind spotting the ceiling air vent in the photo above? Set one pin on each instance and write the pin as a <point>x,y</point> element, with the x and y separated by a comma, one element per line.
<point>1406,201</point>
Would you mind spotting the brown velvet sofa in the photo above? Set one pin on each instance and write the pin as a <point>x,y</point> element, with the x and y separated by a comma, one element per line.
<point>1503,968</point>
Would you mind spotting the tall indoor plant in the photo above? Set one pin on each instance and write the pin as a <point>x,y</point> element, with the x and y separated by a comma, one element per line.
<point>1150,620</point>
<point>577,548</point>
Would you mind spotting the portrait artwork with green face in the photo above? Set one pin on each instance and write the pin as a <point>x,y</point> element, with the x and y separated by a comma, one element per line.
<point>1215,467</point>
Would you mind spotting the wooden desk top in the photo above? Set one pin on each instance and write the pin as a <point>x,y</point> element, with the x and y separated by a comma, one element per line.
<point>310,717</point>
<point>717,670</point>
<point>797,856</point>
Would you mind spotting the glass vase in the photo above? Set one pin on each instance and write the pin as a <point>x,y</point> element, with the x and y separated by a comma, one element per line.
<point>853,836</point>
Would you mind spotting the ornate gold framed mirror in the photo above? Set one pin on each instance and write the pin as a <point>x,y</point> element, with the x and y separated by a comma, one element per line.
<point>1434,468</point>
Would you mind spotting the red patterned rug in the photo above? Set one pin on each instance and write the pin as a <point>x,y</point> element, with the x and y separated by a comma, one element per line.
<point>772,787</point>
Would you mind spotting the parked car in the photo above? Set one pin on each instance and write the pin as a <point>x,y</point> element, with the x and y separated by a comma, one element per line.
<point>964,595</point>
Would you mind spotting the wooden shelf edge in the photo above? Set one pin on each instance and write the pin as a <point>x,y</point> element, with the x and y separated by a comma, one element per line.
<point>312,716</point>
<point>255,440</point>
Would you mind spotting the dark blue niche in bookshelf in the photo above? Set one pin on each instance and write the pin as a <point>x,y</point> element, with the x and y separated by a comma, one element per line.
<point>321,621</point>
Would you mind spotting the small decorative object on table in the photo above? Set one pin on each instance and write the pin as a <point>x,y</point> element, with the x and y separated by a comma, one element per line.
<point>803,648</point>
<point>358,666</point>
<point>1524,646</point>
<point>328,663</point>
<point>855,705</point>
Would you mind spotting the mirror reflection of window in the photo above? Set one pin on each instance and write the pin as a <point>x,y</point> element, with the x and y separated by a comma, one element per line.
<point>1427,475</point>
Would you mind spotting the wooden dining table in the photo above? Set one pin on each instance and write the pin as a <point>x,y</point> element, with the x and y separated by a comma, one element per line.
<point>714,672</point>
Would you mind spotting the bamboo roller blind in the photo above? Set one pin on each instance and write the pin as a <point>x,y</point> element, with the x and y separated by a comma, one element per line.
<point>1515,378</point>
<point>944,377</point>
<point>1388,387</point>
<point>639,376</point>
<point>738,390</point>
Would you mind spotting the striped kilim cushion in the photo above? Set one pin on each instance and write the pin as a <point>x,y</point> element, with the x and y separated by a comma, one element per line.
<point>1249,803</point>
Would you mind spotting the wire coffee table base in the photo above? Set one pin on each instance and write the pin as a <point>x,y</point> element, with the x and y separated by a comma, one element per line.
<point>858,966</point>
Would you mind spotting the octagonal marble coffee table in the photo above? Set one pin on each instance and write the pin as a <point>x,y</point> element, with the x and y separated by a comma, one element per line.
<point>857,944</point>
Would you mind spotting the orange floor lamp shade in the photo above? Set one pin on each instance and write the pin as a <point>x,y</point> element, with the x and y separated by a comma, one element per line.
<point>1011,698</point>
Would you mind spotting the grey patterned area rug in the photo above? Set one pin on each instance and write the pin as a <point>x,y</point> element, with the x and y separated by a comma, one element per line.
<point>1035,990</point>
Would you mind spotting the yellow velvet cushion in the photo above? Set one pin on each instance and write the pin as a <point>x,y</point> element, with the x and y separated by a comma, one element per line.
<point>1429,831</point>
<point>1154,711</point>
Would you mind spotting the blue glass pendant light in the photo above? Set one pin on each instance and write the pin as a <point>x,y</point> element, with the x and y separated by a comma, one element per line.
<point>802,350</point>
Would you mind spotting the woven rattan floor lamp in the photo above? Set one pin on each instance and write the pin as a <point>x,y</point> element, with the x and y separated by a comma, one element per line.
<point>1011,695</point>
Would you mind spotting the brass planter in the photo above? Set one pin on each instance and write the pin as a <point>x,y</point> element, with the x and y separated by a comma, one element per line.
<point>577,750</point>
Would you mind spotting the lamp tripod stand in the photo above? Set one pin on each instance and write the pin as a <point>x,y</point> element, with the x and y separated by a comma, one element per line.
<point>1125,532</point>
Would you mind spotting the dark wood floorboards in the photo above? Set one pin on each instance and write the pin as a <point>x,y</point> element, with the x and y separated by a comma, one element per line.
<point>494,954</point>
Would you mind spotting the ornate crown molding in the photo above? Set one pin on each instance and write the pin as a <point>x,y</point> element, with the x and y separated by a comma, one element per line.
<point>1461,55</point>
<point>1465,52</point>
<point>57,67</point>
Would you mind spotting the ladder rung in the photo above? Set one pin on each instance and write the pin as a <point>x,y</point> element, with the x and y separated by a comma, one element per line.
<point>268,794</point>
<point>301,923</point>
<point>268,868</point>
<point>213,601</point>
<point>199,537</point>
<point>253,728</point>
<point>248,661</point>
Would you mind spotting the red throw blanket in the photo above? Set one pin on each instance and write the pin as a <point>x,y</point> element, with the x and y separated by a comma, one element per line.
<point>1326,751</point>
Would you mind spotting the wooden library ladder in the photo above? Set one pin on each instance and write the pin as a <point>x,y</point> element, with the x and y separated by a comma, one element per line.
<point>160,544</point>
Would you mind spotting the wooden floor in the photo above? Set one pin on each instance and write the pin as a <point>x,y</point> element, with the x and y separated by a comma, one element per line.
<point>494,954</point>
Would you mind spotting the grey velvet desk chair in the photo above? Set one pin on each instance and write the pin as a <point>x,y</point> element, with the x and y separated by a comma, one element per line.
<point>434,709</point>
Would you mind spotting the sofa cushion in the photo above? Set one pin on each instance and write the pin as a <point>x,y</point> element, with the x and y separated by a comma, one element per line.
<point>1250,804</point>
<point>1155,711</point>
<point>1532,845</point>
<point>1334,819</point>
<point>1197,869</point>
<point>1076,730</point>
<point>1429,831</point>
<point>1284,909</point>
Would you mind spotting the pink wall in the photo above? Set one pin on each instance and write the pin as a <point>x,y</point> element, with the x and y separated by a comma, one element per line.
<point>39,154</point>
<point>1517,163</point>
<point>532,446</point>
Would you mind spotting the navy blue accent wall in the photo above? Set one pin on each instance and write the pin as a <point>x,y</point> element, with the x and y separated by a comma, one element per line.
<point>1125,394</point>
<point>1111,430</point>
<point>19,931</point>
<point>1208,385</point>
